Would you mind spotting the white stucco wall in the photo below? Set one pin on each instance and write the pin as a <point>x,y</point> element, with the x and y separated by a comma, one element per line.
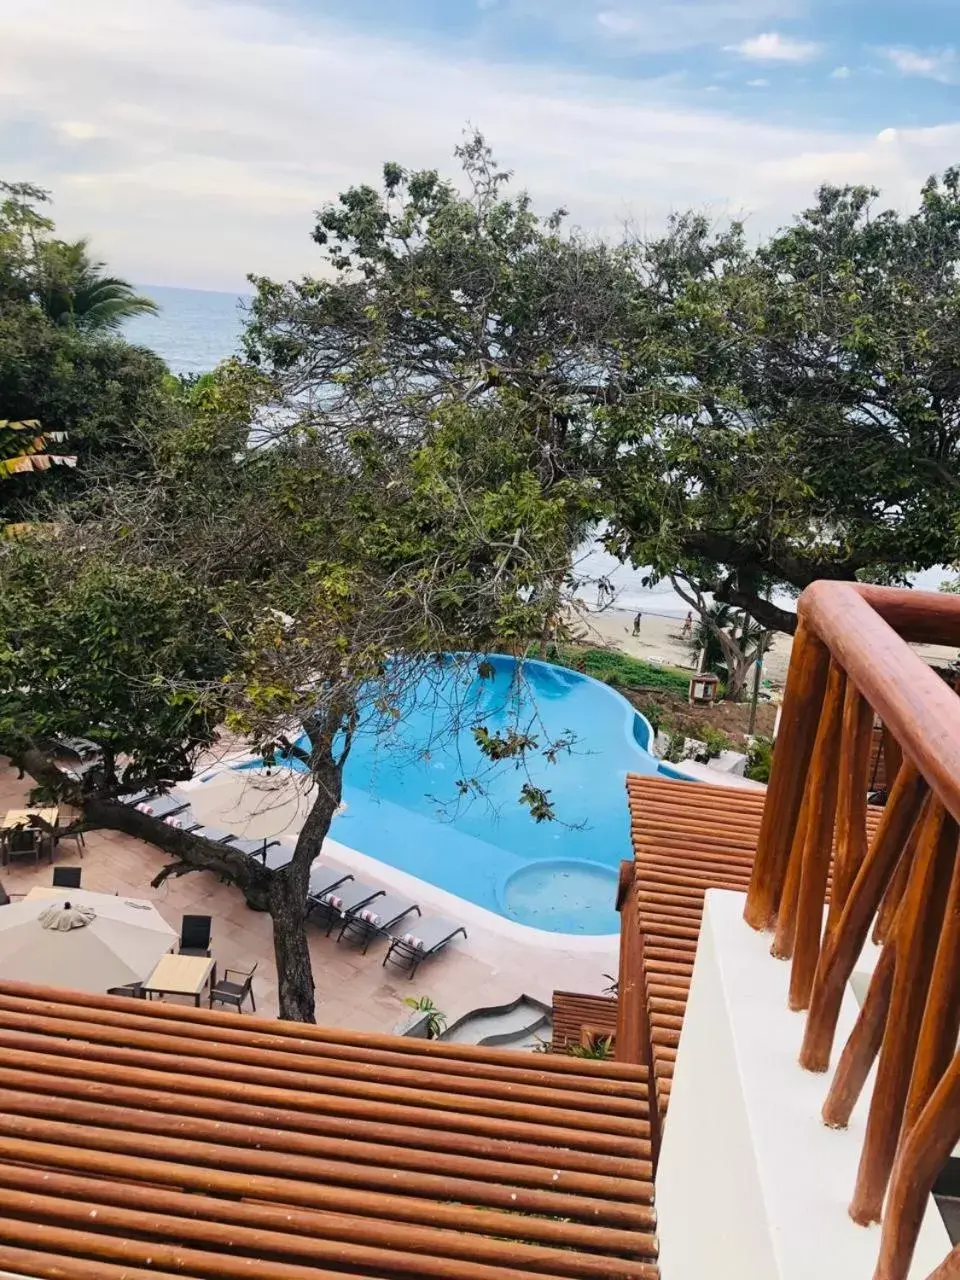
<point>751,1184</point>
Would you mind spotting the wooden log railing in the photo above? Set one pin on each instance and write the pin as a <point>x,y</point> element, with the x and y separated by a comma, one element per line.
<point>851,662</point>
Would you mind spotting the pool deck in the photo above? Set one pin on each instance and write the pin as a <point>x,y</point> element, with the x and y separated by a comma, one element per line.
<point>499,961</point>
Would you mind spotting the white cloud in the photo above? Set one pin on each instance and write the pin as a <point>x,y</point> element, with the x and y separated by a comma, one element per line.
<point>770,46</point>
<point>77,130</point>
<point>840,73</point>
<point>758,84</point>
<point>658,25</point>
<point>933,64</point>
<point>214,129</point>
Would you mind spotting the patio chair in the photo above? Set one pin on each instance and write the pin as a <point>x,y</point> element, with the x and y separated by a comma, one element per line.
<point>227,991</point>
<point>346,897</point>
<point>67,877</point>
<point>378,920</point>
<point>26,842</point>
<point>411,949</point>
<point>76,835</point>
<point>133,990</point>
<point>195,935</point>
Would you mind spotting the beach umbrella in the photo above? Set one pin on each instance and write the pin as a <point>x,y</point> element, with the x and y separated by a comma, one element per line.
<point>86,941</point>
<point>255,803</point>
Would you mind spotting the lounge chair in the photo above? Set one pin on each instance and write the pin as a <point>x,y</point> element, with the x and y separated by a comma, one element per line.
<point>409,950</point>
<point>227,992</point>
<point>185,820</point>
<point>162,806</point>
<point>378,920</point>
<point>324,879</point>
<point>215,834</point>
<point>133,798</point>
<point>195,935</point>
<point>277,855</point>
<point>255,848</point>
<point>67,877</point>
<point>346,897</point>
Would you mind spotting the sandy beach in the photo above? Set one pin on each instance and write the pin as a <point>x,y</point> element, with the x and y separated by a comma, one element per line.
<point>660,641</point>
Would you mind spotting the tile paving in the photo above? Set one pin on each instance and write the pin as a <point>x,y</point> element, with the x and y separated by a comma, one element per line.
<point>353,991</point>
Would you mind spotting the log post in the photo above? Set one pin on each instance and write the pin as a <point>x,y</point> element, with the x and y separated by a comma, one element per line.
<point>921,1157</point>
<point>863,1044</point>
<point>842,946</point>
<point>941,1018</point>
<point>855,740</point>
<point>917,932</point>
<point>818,845</point>
<point>806,681</point>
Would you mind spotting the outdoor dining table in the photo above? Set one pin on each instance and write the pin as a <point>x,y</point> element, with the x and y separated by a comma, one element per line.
<point>177,975</point>
<point>18,819</point>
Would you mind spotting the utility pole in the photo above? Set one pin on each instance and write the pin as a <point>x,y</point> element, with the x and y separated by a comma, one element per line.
<point>757,670</point>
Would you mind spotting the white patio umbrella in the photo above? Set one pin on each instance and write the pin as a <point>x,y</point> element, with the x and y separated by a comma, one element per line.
<point>253,802</point>
<point>95,942</point>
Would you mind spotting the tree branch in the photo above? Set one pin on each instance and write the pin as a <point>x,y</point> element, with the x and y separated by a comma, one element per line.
<point>769,615</point>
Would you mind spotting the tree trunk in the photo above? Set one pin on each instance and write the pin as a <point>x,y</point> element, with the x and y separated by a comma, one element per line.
<point>192,853</point>
<point>288,911</point>
<point>288,890</point>
<point>737,676</point>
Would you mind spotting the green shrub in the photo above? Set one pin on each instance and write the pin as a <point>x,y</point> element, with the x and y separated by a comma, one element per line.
<point>600,1047</point>
<point>759,760</point>
<point>715,740</point>
<point>652,713</point>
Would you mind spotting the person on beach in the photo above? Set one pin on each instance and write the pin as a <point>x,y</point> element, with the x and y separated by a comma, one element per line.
<point>687,626</point>
<point>636,623</point>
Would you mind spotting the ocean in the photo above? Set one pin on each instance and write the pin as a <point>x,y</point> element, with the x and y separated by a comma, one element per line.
<point>197,328</point>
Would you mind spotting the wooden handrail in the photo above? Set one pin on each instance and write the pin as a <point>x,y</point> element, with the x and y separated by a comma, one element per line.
<point>851,662</point>
<point>908,696</point>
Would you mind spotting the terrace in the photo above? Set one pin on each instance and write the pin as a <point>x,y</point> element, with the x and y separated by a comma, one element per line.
<point>493,966</point>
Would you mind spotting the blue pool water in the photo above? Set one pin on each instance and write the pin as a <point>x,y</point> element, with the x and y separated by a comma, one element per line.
<point>402,805</point>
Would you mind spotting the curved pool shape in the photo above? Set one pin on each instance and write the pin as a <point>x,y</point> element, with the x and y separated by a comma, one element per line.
<point>401,797</point>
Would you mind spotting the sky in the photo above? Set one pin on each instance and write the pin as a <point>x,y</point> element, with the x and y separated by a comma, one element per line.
<point>194,139</point>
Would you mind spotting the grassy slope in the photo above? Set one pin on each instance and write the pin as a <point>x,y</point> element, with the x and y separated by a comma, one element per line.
<point>622,671</point>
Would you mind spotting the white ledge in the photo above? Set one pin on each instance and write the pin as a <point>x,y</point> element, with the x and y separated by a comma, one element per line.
<point>751,1184</point>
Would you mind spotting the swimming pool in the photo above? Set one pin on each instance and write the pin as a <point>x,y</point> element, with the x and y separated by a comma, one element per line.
<point>401,801</point>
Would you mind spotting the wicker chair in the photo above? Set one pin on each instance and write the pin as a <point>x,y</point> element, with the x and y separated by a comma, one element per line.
<point>227,991</point>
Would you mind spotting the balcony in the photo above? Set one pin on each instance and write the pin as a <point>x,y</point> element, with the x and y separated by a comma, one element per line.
<point>850,899</point>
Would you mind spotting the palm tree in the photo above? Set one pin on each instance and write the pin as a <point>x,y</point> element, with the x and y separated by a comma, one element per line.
<point>726,618</point>
<point>75,291</point>
<point>23,448</point>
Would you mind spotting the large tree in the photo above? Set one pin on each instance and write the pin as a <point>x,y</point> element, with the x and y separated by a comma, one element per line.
<point>801,411</point>
<point>300,593</point>
<point>430,293</point>
<point>60,363</point>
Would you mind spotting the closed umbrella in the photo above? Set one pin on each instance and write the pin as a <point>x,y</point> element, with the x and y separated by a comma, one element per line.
<point>82,940</point>
<point>252,802</point>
